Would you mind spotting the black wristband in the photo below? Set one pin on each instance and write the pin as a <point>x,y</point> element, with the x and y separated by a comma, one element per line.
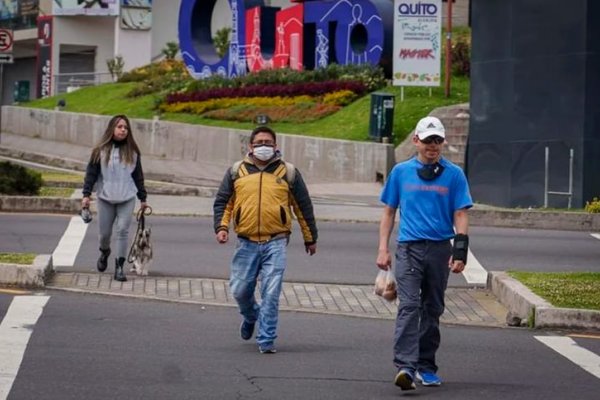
<point>461,248</point>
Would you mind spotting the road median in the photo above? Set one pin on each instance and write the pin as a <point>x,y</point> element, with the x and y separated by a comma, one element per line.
<point>526,308</point>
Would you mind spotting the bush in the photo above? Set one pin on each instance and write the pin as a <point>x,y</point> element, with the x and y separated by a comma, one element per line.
<point>18,180</point>
<point>170,50</point>
<point>221,40</point>
<point>593,206</point>
<point>461,58</point>
<point>371,77</point>
<point>309,89</point>
<point>339,98</point>
<point>165,76</point>
<point>115,67</point>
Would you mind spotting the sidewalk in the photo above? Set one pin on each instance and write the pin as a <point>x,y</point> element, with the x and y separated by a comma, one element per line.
<point>463,306</point>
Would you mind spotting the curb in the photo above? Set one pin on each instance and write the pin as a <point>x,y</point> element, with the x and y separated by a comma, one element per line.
<point>79,166</point>
<point>527,308</point>
<point>58,205</point>
<point>30,276</point>
<point>568,221</point>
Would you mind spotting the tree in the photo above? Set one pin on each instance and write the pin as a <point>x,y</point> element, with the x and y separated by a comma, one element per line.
<point>115,67</point>
<point>170,50</point>
<point>221,40</point>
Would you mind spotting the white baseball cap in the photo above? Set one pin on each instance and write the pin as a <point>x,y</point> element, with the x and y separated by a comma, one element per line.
<point>430,126</point>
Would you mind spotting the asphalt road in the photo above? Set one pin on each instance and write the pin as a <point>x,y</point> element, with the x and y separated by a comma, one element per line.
<point>186,246</point>
<point>92,347</point>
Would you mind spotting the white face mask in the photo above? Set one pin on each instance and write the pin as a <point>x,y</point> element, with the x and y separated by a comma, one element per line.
<point>263,153</point>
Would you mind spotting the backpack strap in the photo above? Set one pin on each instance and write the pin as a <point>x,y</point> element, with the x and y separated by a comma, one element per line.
<point>290,173</point>
<point>237,170</point>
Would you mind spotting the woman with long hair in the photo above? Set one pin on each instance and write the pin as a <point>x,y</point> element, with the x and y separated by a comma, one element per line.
<point>115,167</point>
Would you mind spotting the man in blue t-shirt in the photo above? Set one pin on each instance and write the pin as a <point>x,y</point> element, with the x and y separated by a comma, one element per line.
<point>432,195</point>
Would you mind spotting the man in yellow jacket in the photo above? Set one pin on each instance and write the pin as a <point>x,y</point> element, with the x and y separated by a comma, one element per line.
<point>257,194</point>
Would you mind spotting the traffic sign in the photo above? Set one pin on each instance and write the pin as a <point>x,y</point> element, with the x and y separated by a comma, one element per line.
<point>6,40</point>
<point>6,58</point>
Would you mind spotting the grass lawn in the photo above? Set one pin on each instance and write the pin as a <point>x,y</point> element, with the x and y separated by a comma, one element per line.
<point>351,122</point>
<point>55,176</point>
<point>564,289</point>
<point>50,191</point>
<point>17,258</point>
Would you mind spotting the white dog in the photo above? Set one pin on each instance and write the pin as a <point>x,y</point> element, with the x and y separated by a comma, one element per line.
<point>141,252</point>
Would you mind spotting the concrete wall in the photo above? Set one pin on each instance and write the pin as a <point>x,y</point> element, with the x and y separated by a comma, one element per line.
<point>322,160</point>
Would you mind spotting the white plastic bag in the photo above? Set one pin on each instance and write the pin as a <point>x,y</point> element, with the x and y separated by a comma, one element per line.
<point>385,284</point>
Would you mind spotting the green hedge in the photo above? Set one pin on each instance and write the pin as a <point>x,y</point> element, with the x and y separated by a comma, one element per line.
<point>18,180</point>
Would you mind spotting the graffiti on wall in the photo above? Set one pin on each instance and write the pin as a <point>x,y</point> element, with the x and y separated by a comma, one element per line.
<point>307,35</point>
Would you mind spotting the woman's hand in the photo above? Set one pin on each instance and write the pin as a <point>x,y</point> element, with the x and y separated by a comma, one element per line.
<point>85,202</point>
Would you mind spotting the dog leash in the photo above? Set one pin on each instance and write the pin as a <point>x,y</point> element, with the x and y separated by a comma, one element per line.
<point>141,225</point>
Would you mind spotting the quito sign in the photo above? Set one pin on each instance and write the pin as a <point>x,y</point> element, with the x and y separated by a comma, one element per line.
<point>306,35</point>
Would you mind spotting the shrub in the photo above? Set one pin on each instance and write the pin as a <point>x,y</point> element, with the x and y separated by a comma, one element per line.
<point>115,67</point>
<point>461,58</point>
<point>339,98</point>
<point>299,113</point>
<point>18,180</point>
<point>221,40</point>
<point>200,107</point>
<point>593,206</point>
<point>299,89</point>
<point>370,76</point>
<point>165,76</point>
<point>170,50</point>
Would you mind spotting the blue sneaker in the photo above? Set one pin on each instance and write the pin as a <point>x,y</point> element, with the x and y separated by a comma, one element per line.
<point>405,380</point>
<point>247,329</point>
<point>267,348</point>
<point>428,378</point>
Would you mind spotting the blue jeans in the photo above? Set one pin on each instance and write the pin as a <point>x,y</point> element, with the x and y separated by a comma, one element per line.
<point>421,277</point>
<point>251,260</point>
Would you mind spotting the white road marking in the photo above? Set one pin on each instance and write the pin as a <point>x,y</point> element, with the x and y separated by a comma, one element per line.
<point>68,247</point>
<point>15,330</point>
<point>567,347</point>
<point>474,273</point>
<point>596,235</point>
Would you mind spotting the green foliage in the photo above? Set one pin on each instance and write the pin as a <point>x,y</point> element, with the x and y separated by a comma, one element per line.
<point>158,78</point>
<point>54,176</point>
<point>339,98</point>
<point>18,180</point>
<point>461,58</point>
<point>564,289</point>
<point>221,40</point>
<point>17,258</point>
<point>49,191</point>
<point>593,206</point>
<point>298,113</point>
<point>369,75</point>
<point>170,50</point>
<point>115,67</point>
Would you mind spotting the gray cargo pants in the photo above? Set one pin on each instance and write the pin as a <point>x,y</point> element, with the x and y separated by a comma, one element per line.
<point>422,276</point>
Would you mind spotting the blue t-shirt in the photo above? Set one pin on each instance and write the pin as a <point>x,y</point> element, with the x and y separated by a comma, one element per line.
<point>426,207</point>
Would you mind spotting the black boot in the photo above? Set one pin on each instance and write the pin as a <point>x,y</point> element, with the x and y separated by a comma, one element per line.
<point>119,274</point>
<point>102,263</point>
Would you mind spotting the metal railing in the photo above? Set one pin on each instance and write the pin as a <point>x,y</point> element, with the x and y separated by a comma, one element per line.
<point>68,82</point>
<point>547,175</point>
